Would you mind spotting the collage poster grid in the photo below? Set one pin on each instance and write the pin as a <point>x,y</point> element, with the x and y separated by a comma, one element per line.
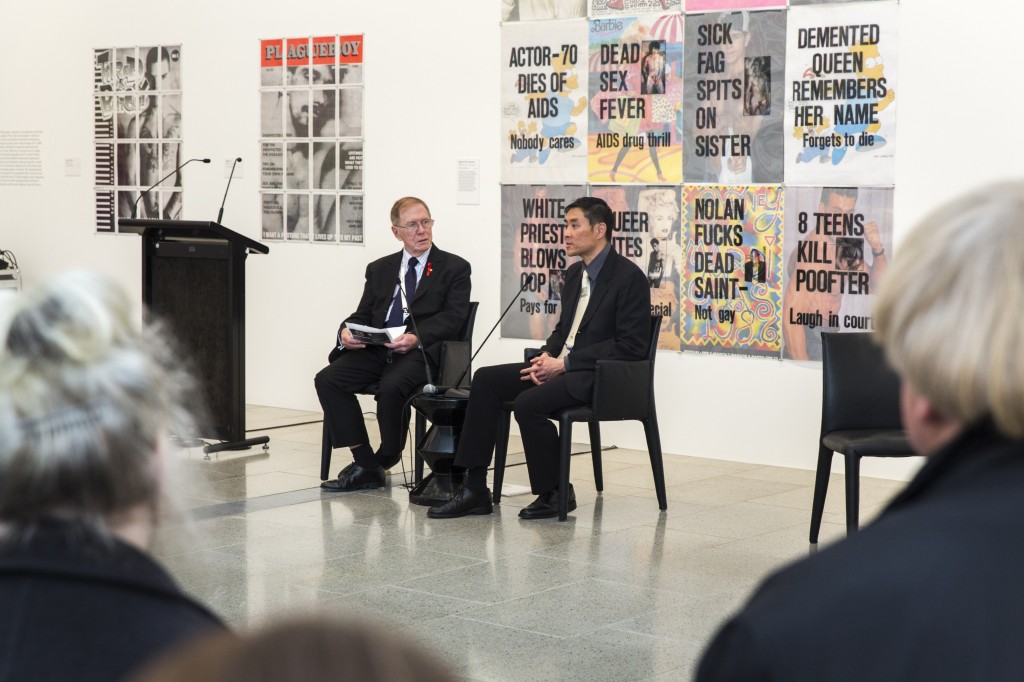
<point>311,139</point>
<point>543,10</point>
<point>137,133</point>
<point>734,268</point>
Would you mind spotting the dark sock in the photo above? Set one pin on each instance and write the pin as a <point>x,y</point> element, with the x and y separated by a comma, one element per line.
<point>476,480</point>
<point>363,455</point>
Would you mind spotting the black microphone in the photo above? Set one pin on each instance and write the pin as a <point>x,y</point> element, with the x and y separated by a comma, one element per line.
<point>430,388</point>
<point>220,213</point>
<point>526,283</point>
<point>135,206</point>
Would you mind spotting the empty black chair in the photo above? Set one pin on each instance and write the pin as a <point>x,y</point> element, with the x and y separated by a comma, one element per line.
<point>623,390</point>
<point>860,417</point>
<point>454,357</point>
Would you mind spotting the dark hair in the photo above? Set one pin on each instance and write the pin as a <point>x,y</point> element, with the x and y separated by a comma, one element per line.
<point>301,649</point>
<point>827,192</point>
<point>596,211</point>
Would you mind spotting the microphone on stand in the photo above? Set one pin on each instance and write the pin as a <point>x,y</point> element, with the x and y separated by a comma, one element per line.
<point>135,206</point>
<point>458,382</point>
<point>430,388</point>
<point>220,213</point>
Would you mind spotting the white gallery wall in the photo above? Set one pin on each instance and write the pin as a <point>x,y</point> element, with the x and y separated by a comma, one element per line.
<point>431,98</point>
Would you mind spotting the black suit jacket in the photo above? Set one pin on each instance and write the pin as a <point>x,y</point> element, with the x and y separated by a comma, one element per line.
<point>440,304</point>
<point>931,591</point>
<point>77,608</point>
<point>615,326</point>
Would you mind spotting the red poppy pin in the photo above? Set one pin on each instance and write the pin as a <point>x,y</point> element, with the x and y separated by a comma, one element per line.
<point>430,268</point>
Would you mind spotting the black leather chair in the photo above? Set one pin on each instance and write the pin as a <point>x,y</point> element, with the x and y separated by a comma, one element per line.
<point>454,358</point>
<point>623,390</point>
<point>860,417</point>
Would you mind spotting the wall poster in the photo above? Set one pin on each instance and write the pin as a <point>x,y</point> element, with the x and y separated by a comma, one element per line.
<point>311,139</point>
<point>733,101</point>
<point>137,133</point>
<point>841,94</point>
<point>532,223</point>
<point>838,241</point>
<point>544,102</point>
<point>538,10</point>
<point>647,232</point>
<point>732,269</point>
<point>601,8</point>
<point>636,90</point>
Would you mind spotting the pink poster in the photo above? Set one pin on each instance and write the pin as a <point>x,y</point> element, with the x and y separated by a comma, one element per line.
<point>705,5</point>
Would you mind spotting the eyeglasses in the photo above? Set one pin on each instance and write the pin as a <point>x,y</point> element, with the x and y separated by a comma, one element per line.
<point>426,224</point>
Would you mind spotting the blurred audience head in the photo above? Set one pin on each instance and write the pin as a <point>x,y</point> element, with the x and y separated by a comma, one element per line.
<point>89,396</point>
<point>299,650</point>
<point>949,314</point>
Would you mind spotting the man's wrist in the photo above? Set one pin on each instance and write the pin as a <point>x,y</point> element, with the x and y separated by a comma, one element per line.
<point>877,253</point>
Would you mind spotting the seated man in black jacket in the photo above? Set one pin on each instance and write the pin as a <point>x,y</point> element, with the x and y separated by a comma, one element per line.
<point>606,313</point>
<point>437,284</point>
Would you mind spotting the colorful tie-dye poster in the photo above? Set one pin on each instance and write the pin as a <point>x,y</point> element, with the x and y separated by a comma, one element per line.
<point>602,8</point>
<point>733,103</point>
<point>841,96</point>
<point>532,225</point>
<point>636,94</point>
<point>732,269</point>
<point>647,232</point>
<point>540,10</point>
<point>711,5</point>
<point>544,102</point>
<point>837,245</point>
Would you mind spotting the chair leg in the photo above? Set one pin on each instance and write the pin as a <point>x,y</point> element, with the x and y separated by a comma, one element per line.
<point>820,490</point>
<point>852,493</point>
<point>500,452</point>
<point>564,455</point>
<point>325,453</point>
<point>595,452</point>
<point>657,463</point>
<point>421,429</point>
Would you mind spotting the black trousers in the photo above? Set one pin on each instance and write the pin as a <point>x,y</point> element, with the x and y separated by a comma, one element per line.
<point>494,385</point>
<point>351,373</point>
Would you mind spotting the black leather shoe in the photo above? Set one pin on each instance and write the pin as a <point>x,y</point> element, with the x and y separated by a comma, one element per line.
<point>355,477</point>
<point>546,506</point>
<point>391,462</point>
<point>463,503</point>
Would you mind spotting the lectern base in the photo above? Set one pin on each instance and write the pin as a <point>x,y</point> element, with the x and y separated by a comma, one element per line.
<point>238,444</point>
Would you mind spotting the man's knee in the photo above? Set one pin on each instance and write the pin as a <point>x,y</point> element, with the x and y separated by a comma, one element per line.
<point>527,406</point>
<point>320,381</point>
<point>494,375</point>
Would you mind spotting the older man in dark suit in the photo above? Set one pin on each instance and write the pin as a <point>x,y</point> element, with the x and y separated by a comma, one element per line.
<point>606,314</point>
<point>437,284</point>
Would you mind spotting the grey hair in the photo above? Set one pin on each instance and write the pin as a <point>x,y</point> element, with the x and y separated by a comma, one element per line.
<point>88,394</point>
<point>949,310</point>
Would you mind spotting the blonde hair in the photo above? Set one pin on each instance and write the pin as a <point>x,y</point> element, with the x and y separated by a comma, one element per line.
<point>86,395</point>
<point>403,203</point>
<point>949,312</point>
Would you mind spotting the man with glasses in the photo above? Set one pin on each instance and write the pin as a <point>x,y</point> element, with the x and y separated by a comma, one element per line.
<point>437,284</point>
